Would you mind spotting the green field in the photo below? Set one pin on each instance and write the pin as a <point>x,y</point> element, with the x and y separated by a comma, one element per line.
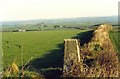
<point>46,48</point>
<point>115,38</point>
<point>33,44</point>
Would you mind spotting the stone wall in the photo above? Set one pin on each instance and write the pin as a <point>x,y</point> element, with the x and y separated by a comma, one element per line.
<point>97,58</point>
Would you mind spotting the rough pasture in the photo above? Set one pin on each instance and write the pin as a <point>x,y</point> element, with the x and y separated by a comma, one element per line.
<point>32,44</point>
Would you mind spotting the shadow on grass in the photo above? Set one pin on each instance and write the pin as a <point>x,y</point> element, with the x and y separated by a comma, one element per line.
<point>84,37</point>
<point>51,64</point>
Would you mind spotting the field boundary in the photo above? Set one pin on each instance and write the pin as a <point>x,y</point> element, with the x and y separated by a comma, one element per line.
<point>97,58</point>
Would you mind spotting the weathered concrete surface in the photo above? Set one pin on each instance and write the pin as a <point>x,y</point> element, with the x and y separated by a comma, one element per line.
<point>72,58</point>
<point>1,75</point>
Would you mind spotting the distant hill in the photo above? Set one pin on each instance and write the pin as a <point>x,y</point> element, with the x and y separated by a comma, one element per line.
<point>106,19</point>
<point>68,22</point>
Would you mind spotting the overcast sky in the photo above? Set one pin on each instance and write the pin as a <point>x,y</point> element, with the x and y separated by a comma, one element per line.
<point>48,9</point>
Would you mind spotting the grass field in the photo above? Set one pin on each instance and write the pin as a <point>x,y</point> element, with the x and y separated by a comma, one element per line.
<point>114,35</point>
<point>46,48</point>
<point>115,38</point>
<point>32,44</point>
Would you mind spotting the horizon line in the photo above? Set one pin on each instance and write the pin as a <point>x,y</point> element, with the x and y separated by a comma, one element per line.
<point>54,18</point>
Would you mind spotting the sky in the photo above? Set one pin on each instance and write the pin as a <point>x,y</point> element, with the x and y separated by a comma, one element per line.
<point>50,9</point>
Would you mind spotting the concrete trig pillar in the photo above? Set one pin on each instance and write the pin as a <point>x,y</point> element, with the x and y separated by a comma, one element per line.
<point>72,58</point>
